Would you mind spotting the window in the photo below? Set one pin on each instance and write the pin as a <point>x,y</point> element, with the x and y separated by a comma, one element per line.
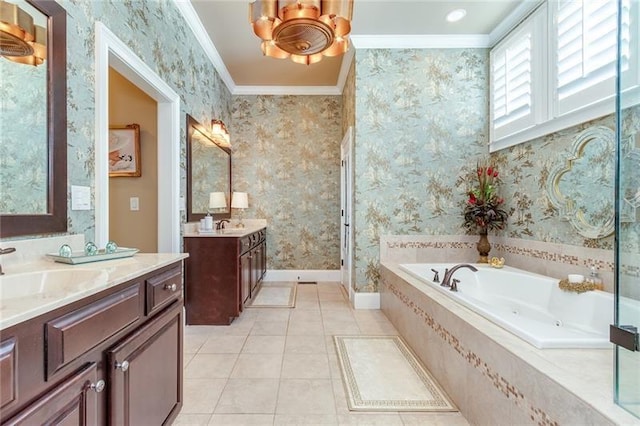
<point>586,52</point>
<point>514,91</point>
<point>545,81</point>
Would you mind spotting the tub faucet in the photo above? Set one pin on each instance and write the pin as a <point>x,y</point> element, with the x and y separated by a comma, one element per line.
<point>221,224</point>
<point>6,251</point>
<point>446,281</point>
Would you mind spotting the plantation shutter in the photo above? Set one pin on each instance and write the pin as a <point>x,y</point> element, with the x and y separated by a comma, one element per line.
<point>586,52</point>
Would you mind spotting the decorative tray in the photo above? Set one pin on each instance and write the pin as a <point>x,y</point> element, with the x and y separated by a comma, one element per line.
<point>78,257</point>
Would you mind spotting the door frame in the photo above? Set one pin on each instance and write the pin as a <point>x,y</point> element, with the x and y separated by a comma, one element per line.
<point>112,52</point>
<point>346,212</point>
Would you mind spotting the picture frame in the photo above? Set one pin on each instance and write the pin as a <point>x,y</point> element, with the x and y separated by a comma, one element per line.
<point>124,151</point>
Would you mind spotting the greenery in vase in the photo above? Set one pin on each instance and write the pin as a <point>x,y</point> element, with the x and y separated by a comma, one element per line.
<point>482,211</point>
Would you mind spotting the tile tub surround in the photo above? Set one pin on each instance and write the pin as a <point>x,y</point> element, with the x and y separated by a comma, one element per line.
<point>481,365</point>
<point>550,259</point>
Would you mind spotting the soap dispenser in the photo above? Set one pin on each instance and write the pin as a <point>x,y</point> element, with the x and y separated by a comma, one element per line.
<point>594,278</point>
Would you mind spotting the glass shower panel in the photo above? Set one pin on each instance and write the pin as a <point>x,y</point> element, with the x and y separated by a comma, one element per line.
<point>627,321</point>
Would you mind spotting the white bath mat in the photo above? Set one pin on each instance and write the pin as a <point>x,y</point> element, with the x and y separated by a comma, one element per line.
<point>381,373</point>
<point>275,295</point>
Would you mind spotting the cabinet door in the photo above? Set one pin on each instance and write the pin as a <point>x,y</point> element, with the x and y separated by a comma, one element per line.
<point>73,402</point>
<point>245,277</point>
<point>256,268</point>
<point>145,373</point>
<point>263,254</point>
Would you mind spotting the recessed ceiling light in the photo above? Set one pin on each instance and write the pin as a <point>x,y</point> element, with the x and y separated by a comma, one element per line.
<point>456,15</point>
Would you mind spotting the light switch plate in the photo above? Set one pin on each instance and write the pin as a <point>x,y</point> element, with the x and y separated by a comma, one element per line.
<point>80,197</point>
<point>134,204</point>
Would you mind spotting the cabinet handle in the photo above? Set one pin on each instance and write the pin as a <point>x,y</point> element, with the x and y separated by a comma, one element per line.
<point>170,287</point>
<point>124,366</point>
<point>97,387</point>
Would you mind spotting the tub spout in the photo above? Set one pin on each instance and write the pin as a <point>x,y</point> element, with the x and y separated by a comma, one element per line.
<point>446,281</point>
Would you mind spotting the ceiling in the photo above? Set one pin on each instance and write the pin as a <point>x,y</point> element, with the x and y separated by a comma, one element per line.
<point>225,30</point>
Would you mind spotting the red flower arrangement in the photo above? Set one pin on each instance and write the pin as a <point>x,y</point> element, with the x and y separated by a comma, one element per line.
<point>482,211</point>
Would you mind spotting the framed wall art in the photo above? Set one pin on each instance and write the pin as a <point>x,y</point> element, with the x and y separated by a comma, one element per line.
<point>124,151</point>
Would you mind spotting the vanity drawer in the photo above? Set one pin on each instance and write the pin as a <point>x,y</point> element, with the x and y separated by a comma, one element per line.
<point>8,371</point>
<point>73,334</point>
<point>163,288</point>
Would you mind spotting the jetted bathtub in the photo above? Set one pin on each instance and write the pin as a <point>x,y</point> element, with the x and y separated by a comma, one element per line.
<point>529,305</point>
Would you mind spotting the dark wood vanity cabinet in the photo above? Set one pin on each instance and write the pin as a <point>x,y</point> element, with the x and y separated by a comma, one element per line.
<point>113,358</point>
<point>222,275</point>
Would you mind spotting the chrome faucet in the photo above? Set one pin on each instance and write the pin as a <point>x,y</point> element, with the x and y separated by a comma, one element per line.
<point>6,251</point>
<point>448,273</point>
<point>221,224</point>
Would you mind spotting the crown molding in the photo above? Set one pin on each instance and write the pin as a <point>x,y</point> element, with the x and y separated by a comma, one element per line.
<point>189,14</point>
<point>287,90</point>
<point>519,14</point>
<point>437,41</point>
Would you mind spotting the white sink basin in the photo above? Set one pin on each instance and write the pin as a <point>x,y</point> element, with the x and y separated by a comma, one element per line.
<point>49,283</point>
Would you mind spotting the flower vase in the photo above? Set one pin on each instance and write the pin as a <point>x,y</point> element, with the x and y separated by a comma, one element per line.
<point>484,248</point>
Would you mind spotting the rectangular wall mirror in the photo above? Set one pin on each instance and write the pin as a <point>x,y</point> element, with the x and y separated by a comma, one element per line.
<point>34,127</point>
<point>208,171</point>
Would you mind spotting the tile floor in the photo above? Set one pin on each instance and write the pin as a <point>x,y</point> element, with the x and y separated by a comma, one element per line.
<point>278,366</point>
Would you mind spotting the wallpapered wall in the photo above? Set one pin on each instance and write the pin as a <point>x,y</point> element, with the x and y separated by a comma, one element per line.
<point>23,130</point>
<point>421,126</point>
<point>158,34</point>
<point>421,123</point>
<point>286,156</point>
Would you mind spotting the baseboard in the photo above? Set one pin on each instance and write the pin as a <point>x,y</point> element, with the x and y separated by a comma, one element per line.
<point>302,275</point>
<point>366,300</point>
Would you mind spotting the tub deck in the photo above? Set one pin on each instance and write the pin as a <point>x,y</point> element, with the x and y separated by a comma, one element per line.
<point>482,365</point>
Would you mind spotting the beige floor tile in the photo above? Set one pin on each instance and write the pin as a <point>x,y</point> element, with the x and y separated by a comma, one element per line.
<point>308,304</point>
<point>201,395</point>
<point>305,315</point>
<point>305,419</point>
<point>222,345</point>
<point>249,396</point>
<point>210,366</point>
<point>434,419</point>
<point>186,359</point>
<point>269,328</point>
<point>257,366</point>
<point>193,342</point>
<point>331,304</point>
<point>339,393</point>
<point>306,328</point>
<point>305,344</point>
<point>377,329</point>
<point>337,315</point>
<point>382,419</point>
<point>264,345</point>
<point>305,366</point>
<point>273,314</point>
<point>185,419</point>
<point>241,419</point>
<point>340,328</point>
<point>305,396</point>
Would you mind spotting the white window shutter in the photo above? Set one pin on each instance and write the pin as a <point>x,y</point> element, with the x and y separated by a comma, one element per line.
<point>514,83</point>
<point>585,52</point>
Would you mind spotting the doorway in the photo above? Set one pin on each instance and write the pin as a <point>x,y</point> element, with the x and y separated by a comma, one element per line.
<point>346,202</point>
<point>112,52</point>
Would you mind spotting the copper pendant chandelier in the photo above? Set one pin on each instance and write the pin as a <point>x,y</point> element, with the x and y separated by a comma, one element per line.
<point>20,39</point>
<point>303,30</point>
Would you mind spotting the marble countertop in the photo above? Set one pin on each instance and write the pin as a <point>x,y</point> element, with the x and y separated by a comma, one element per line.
<point>229,232</point>
<point>80,281</point>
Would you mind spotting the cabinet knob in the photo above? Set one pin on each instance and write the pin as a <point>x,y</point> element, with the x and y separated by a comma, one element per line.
<point>170,287</point>
<point>124,365</point>
<point>97,387</point>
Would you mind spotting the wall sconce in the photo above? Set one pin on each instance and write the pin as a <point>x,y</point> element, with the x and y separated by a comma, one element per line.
<point>240,200</point>
<point>219,129</point>
<point>20,40</point>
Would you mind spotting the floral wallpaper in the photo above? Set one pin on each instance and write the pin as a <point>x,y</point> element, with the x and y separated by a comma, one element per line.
<point>421,124</point>
<point>286,156</point>
<point>23,136</point>
<point>158,34</point>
